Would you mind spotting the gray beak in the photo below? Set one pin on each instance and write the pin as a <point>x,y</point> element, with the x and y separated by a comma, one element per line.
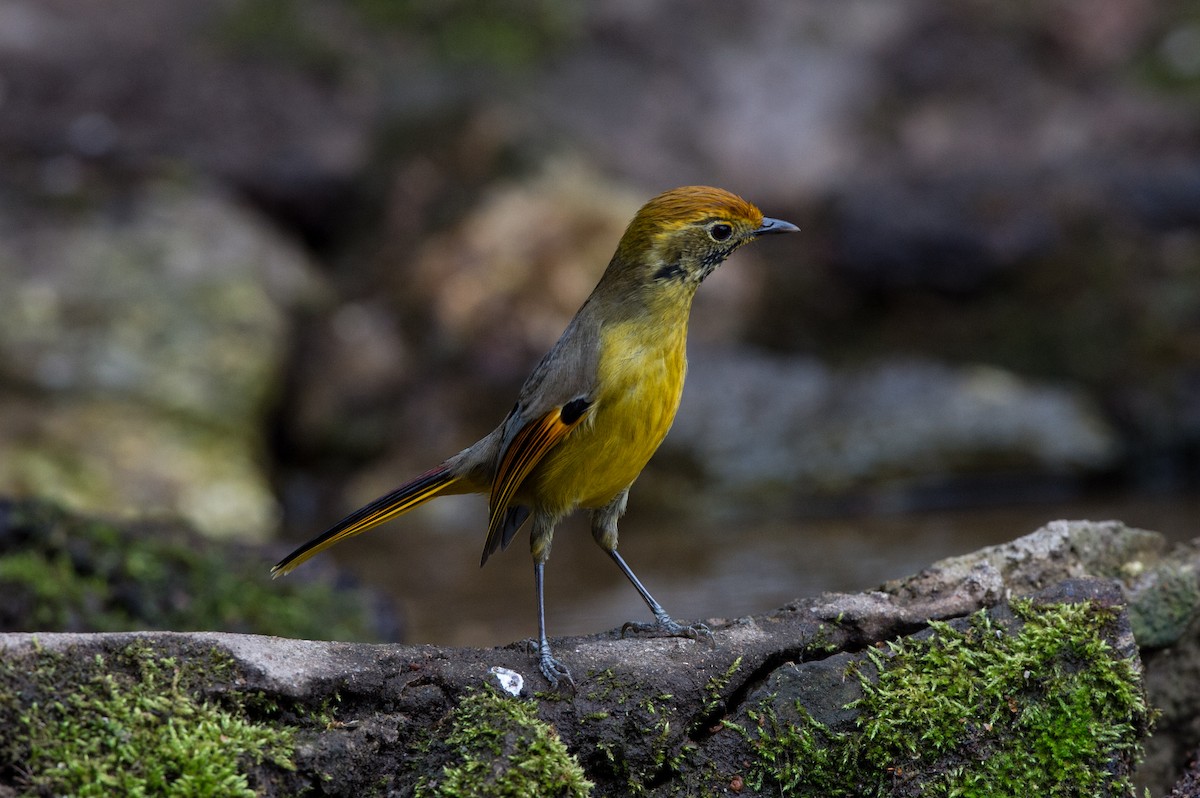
<point>770,226</point>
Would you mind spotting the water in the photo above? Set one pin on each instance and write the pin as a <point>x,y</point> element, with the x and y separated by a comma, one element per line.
<point>696,569</point>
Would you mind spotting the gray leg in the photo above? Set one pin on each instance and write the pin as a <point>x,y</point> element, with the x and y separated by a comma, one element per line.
<point>604,530</point>
<point>551,668</point>
<point>539,543</point>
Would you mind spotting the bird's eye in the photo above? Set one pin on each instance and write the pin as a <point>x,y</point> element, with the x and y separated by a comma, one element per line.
<point>720,231</point>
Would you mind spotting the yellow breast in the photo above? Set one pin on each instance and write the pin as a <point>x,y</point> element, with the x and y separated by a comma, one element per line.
<point>640,379</point>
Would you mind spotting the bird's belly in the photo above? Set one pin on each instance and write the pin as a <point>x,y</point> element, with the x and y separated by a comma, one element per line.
<point>640,391</point>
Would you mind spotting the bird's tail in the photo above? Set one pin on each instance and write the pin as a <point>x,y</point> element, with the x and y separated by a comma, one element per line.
<point>385,508</point>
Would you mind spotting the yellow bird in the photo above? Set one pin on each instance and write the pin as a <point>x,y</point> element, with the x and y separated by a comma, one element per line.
<point>598,404</point>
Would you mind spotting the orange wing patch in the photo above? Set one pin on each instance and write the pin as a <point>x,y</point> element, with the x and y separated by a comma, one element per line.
<point>527,450</point>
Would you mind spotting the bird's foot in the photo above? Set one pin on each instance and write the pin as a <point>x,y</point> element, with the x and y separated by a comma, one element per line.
<point>553,670</point>
<point>666,626</point>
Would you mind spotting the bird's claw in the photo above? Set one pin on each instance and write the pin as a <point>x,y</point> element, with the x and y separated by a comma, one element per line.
<point>666,626</point>
<point>554,671</point>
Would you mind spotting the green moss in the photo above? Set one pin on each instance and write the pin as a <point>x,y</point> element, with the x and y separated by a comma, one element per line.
<point>55,593</point>
<point>498,746</point>
<point>1156,66</point>
<point>1041,706</point>
<point>277,30</point>
<point>822,642</point>
<point>716,685</point>
<point>608,687</point>
<point>60,572</point>
<point>131,724</point>
<point>795,758</point>
<point>502,33</point>
<point>634,742</point>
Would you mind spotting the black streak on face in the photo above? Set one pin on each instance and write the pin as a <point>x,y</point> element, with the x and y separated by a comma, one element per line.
<point>713,260</point>
<point>672,271</point>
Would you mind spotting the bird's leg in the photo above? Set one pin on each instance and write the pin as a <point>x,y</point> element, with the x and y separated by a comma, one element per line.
<point>540,537</point>
<point>604,530</point>
<point>663,624</point>
<point>552,669</point>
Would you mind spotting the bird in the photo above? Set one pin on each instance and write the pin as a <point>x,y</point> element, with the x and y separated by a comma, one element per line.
<point>595,408</point>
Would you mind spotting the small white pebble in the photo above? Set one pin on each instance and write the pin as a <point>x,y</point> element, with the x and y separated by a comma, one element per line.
<point>511,682</point>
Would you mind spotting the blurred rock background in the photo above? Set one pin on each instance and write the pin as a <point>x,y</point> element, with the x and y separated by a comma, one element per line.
<point>260,260</point>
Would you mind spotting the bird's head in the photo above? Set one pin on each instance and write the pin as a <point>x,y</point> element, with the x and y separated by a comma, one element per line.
<point>682,235</point>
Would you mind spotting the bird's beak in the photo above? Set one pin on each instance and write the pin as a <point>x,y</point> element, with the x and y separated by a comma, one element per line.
<point>770,226</point>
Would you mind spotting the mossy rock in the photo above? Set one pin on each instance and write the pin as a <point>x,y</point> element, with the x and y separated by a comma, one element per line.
<point>133,723</point>
<point>496,745</point>
<point>1028,699</point>
<point>63,572</point>
<point>839,695</point>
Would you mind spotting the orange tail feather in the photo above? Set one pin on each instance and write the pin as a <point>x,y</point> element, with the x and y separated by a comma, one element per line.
<point>385,508</point>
